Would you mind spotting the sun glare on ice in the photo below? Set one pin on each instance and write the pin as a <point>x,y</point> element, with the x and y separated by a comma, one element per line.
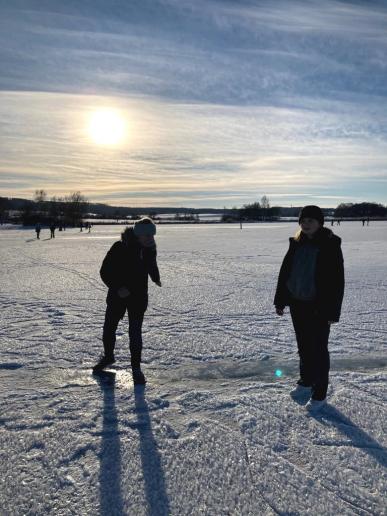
<point>107,127</point>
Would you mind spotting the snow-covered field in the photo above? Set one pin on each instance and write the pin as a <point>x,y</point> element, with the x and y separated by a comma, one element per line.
<point>214,432</point>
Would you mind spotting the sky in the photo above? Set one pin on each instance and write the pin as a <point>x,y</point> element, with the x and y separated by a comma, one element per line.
<point>196,103</point>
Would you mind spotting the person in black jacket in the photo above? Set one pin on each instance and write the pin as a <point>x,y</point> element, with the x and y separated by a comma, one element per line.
<point>52,229</point>
<point>311,283</point>
<point>125,271</point>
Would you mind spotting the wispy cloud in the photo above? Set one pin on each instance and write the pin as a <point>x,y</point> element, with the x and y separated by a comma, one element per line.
<point>211,51</point>
<point>183,152</point>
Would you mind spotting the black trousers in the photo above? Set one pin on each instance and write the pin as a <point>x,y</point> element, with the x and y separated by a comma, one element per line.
<point>312,334</point>
<point>114,313</point>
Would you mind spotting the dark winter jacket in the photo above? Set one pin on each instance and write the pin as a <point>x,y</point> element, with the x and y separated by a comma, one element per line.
<point>329,274</point>
<point>127,264</point>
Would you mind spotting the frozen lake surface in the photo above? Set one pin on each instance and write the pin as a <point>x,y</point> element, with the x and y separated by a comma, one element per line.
<point>214,431</point>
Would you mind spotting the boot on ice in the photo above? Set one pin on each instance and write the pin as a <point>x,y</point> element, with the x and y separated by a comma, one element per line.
<point>103,362</point>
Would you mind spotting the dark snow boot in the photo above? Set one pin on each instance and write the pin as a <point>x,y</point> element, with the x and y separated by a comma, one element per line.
<point>103,362</point>
<point>138,376</point>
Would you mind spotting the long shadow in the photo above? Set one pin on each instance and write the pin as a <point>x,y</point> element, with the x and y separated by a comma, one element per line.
<point>155,490</point>
<point>358,437</point>
<point>110,456</point>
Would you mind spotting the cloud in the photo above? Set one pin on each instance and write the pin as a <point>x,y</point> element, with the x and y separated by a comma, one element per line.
<point>266,53</point>
<point>191,153</point>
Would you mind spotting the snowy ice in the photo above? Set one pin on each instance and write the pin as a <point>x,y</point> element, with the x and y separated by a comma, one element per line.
<point>215,431</point>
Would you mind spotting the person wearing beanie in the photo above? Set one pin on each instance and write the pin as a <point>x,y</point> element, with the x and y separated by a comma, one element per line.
<point>125,270</point>
<point>311,283</point>
<point>311,212</point>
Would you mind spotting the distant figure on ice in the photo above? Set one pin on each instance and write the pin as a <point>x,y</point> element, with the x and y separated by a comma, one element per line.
<point>311,283</point>
<point>38,228</point>
<point>125,271</point>
<point>52,229</point>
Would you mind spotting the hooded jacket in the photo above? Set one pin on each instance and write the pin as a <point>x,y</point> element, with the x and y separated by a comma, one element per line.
<point>329,274</point>
<point>128,264</point>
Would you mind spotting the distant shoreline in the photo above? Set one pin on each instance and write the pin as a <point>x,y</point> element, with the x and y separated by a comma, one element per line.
<point>328,222</point>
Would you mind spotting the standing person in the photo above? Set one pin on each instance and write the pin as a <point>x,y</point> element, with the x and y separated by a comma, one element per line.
<point>311,283</point>
<point>38,227</point>
<point>125,271</point>
<point>52,229</point>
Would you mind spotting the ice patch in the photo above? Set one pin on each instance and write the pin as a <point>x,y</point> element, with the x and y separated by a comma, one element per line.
<point>269,369</point>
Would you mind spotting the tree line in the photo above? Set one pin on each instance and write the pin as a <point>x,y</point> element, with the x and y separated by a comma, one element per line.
<point>71,209</point>
<point>360,210</point>
<point>68,210</point>
<point>263,211</point>
<point>254,211</point>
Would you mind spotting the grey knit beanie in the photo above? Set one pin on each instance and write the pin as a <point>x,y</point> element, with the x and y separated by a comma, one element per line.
<point>144,227</point>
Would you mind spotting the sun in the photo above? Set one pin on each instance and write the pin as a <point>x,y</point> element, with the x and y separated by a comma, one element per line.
<point>107,127</point>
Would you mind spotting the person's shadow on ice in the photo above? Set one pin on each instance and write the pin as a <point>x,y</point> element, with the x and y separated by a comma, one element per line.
<point>359,439</point>
<point>111,501</point>
<point>110,454</point>
<point>155,490</point>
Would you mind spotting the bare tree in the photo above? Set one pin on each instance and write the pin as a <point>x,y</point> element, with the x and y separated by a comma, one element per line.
<point>75,207</point>
<point>40,196</point>
<point>265,205</point>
